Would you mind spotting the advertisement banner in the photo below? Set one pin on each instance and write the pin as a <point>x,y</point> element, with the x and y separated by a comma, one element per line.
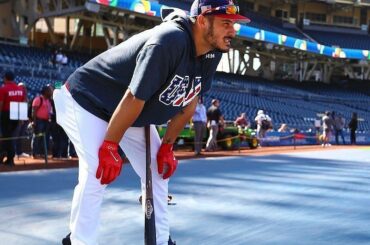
<point>153,8</point>
<point>284,139</point>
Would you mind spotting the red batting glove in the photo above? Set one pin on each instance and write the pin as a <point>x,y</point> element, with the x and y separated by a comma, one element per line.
<point>110,162</point>
<point>166,160</point>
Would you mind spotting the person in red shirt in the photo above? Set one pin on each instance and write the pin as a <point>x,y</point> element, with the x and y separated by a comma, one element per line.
<point>242,121</point>
<point>41,118</point>
<point>10,92</point>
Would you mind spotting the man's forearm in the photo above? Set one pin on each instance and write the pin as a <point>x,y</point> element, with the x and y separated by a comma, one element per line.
<point>178,122</point>
<point>124,116</point>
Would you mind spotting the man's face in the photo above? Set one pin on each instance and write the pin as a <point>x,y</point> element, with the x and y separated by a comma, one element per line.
<point>219,33</point>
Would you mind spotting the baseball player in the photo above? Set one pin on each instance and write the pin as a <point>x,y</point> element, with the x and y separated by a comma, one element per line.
<point>152,78</point>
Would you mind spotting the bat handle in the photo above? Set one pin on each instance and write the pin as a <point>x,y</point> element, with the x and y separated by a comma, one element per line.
<point>150,231</point>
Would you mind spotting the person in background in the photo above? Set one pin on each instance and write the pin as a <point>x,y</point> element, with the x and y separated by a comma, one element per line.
<point>59,57</point>
<point>352,125</point>
<point>200,125</point>
<point>283,128</point>
<point>339,123</point>
<point>10,92</point>
<point>71,150</point>
<point>317,125</point>
<point>263,122</point>
<point>214,120</point>
<point>58,135</point>
<point>327,126</point>
<point>242,121</point>
<point>64,60</point>
<point>21,131</point>
<point>41,116</point>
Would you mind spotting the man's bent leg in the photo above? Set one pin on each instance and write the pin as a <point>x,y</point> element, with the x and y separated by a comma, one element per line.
<point>211,140</point>
<point>86,131</point>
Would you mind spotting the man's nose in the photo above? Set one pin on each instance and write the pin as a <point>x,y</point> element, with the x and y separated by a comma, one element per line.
<point>232,31</point>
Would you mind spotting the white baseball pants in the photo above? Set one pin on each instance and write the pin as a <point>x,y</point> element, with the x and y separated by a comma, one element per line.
<point>87,132</point>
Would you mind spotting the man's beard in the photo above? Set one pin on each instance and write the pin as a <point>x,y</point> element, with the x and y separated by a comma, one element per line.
<point>213,41</point>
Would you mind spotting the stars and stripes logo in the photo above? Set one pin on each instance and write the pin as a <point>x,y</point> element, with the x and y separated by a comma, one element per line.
<point>181,91</point>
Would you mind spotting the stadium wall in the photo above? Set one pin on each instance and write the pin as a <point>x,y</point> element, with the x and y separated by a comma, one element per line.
<point>84,43</point>
<point>6,30</point>
<point>286,139</point>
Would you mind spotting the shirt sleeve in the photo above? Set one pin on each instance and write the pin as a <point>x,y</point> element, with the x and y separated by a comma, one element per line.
<point>151,71</point>
<point>36,102</point>
<point>1,94</point>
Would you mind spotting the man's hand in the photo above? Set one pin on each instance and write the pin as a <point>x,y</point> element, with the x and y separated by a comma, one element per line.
<point>167,162</point>
<point>110,162</point>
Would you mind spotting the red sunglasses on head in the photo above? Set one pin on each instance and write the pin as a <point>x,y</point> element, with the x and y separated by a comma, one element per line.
<point>226,9</point>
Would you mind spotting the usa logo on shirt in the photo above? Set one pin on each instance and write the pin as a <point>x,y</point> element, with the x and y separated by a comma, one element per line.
<point>177,92</point>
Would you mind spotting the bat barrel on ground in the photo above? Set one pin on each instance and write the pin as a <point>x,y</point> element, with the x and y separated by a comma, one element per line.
<point>150,234</point>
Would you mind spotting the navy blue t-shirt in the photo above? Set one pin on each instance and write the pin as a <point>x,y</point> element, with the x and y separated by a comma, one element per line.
<point>158,65</point>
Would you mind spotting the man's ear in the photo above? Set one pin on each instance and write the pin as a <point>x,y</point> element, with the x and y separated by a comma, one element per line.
<point>202,22</point>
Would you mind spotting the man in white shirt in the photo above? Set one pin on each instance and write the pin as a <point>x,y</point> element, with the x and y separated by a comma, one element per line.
<point>263,122</point>
<point>200,125</point>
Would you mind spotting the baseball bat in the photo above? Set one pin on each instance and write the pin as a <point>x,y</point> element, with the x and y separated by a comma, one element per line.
<point>149,234</point>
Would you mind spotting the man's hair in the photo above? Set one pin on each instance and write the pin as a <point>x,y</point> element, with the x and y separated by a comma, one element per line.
<point>9,76</point>
<point>44,89</point>
<point>211,18</point>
